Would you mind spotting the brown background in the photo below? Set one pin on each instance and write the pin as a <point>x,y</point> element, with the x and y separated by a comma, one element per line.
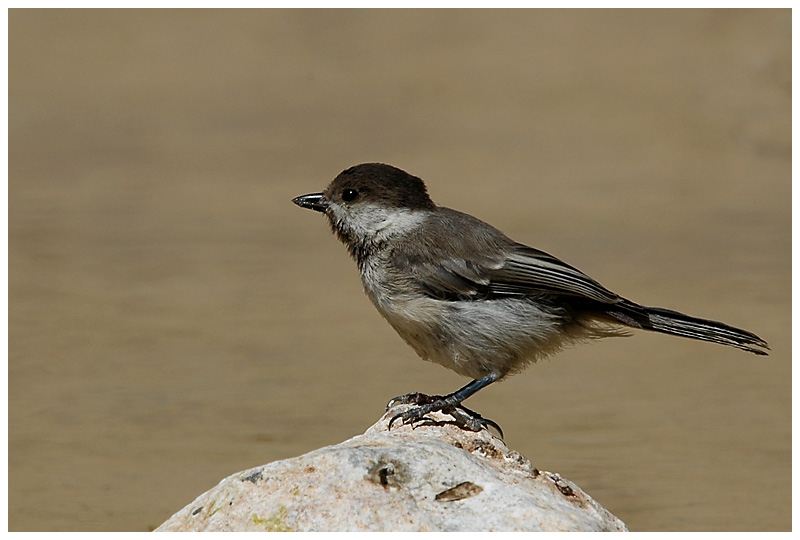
<point>174,318</point>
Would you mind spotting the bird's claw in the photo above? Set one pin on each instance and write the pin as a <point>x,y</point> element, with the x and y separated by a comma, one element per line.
<point>414,398</point>
<point>462,416</point>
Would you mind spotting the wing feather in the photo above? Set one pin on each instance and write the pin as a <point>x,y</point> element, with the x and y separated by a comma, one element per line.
<point>523,272</point>
<point>530,271</point>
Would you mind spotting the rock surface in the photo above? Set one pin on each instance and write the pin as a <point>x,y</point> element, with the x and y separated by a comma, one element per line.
<point>435,477</point>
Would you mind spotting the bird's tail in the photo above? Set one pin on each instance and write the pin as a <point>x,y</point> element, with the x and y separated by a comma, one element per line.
<point>678,324</point>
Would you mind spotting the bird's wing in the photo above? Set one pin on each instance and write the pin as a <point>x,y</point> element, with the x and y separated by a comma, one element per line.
<point>528,271</point>
<point>524,271</point>
<point>454,279</point>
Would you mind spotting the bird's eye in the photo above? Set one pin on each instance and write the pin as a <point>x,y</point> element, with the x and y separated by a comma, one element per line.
<point>349,195</point>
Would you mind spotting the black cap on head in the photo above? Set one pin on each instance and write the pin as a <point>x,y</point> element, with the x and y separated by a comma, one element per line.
<point>380,183</point>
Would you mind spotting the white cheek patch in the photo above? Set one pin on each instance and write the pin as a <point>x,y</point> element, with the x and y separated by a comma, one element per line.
<point>378,222</point>
<point>399,222</point>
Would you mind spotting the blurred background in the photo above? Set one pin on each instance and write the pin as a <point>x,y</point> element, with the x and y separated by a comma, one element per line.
<point>174,318</point>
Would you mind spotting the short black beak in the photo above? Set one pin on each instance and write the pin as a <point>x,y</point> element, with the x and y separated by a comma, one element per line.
<point>314,201</point>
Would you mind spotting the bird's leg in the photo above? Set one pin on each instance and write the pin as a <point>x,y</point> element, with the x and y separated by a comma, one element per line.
<point>449,404</point>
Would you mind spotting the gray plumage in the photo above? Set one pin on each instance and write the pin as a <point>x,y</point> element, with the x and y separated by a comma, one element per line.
<point>464,295</point>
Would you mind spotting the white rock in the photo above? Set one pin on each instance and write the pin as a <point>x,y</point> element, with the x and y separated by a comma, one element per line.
<point>431,478</point>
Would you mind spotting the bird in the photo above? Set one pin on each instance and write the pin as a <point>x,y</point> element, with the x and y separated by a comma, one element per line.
<point>464,295</point>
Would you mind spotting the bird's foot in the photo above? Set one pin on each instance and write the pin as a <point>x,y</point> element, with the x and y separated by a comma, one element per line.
<point>424,404</point>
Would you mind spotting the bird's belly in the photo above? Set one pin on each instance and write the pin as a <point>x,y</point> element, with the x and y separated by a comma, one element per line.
<point>473,338</point>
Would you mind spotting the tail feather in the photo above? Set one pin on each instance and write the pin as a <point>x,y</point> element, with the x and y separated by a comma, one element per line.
<point>678,324</point>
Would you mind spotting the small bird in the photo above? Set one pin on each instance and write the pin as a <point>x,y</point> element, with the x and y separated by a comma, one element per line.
<point>464,295</point>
